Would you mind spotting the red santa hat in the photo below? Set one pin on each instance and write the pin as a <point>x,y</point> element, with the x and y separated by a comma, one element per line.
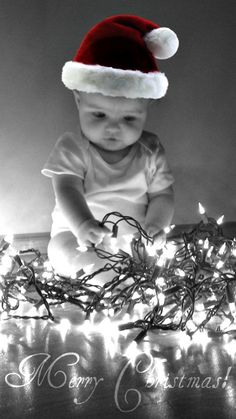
<point>118,56</point>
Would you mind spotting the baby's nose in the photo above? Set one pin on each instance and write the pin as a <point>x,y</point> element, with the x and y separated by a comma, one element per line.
<point>113,127</point>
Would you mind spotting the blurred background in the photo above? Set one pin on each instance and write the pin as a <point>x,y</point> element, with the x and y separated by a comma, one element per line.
<point>195,121</point>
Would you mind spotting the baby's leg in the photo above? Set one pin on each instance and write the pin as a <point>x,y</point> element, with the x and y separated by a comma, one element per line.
<point>66,258</point>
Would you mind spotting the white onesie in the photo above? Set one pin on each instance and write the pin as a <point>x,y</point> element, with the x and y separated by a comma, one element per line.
<point>122,186</point>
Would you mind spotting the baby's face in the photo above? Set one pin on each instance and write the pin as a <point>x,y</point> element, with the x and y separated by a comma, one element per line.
<point>111,123</point>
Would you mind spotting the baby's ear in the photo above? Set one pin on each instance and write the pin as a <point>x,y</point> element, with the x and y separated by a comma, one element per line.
<point>151,102</point>
<point>77,97</point>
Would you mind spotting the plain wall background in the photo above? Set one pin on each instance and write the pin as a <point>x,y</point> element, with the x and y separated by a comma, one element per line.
<point>195,121</point>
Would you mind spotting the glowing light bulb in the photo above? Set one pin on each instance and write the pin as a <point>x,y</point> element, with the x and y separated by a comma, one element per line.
<point>220,220</point>
<point>114,244</point>
<point>32,312</point>
<point>151,292</point>
<point>202,213</point>
<point>202,338</point>
<point>161,298</point>
<point>12,251</point>
<point>138,311</point>
<point>191,326</point>
<point>111,312</point>
<point>3,343</point>
<point>6,262</point>
<point>35,263</point>
<point>160,282</point>
<point>222,249</point>
<point>151,249</point>
<point>154,301</point>
<point>47,275</point>
<point>178,354</point>
<point>82,248</point>
<point>4,315</point>
<point>170,250</point>
<point>88,268</point>
<point>180,272</point>
<point>201,209</point>
<point>135,295</point>
<point>230,348</point>
<point>232,308</point>
<point>127,243</point>
<point>161,261</point>
<point>128,238</point>
<point>169,228</point>
<point>225,324</point>
<point>47,265</point>
<point>177,316</point>
<point>63,327</point>
<point>132,352</point>
<point>73,274</point>
<point>200,307</point>
<point>233,248</point>
<point>209,253</point>
<point>206,244</point>
<point>234,252</point>
<point>82,298</point>
<point>220,264</point>
<point>9,237</point>
<point>184,341</point>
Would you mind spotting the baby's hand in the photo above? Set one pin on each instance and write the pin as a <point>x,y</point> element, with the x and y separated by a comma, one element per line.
<point>91,232</point>
<point>159,237</point>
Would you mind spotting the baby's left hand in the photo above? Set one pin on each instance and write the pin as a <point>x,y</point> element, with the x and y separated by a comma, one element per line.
<point>159,238</point>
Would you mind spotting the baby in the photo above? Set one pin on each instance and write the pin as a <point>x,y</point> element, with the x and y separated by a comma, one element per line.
<point>112,164</point>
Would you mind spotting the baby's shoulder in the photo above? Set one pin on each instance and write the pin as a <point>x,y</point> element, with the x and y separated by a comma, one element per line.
<point>72,142</point>
<point>150,142</point>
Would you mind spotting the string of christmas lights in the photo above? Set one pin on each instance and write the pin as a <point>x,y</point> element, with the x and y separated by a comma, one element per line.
<point>187,285</point>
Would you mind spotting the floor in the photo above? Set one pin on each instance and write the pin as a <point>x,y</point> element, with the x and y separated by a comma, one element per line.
<point>72,368</point>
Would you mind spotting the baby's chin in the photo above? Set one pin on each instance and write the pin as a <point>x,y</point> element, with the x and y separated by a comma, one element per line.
<point>112,155</point>
<point>111,144</point>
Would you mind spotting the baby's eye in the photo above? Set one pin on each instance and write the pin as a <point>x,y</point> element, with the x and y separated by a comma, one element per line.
<point>129,118</point>
<point>99,115</point>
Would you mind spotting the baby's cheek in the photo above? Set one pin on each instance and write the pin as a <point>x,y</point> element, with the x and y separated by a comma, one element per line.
<point>134,132</point>
<point>94,130</point>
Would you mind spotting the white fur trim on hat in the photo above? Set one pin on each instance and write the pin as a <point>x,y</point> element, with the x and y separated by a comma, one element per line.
<point>113,81</point>
<point>162,42</point>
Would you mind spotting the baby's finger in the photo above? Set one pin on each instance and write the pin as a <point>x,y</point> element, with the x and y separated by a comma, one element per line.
<point>83,246</point>
<point>106,231</point>
<point>101,230</point>
<point>160,239</point>
<point>96,238</point>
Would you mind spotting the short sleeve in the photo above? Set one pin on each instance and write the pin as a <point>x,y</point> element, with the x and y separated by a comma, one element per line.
<point>69,156</point>
<point>159,174</point>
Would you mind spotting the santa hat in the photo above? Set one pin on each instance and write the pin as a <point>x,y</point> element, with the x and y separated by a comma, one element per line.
<point>118,56</point>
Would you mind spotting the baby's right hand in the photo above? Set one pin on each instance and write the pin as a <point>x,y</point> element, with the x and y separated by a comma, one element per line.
<point>91,232</point>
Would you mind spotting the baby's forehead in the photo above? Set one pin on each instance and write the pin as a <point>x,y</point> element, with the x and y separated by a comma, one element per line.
<point>97,100</point>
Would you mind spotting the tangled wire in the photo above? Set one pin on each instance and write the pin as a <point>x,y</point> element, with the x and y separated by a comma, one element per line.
<point>189,284</point>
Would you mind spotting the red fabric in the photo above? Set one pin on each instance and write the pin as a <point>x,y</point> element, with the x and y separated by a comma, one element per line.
<point>118,42</point>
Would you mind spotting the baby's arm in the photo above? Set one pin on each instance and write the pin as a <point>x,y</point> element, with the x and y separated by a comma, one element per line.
<point>69,193</point>
<point>160,211</point>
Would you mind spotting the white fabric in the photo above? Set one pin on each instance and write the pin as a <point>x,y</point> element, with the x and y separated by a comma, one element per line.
<point>114,81</point>
<point>122,187</point>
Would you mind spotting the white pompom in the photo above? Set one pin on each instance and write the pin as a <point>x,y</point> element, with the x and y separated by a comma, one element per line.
<point>162,42</point>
